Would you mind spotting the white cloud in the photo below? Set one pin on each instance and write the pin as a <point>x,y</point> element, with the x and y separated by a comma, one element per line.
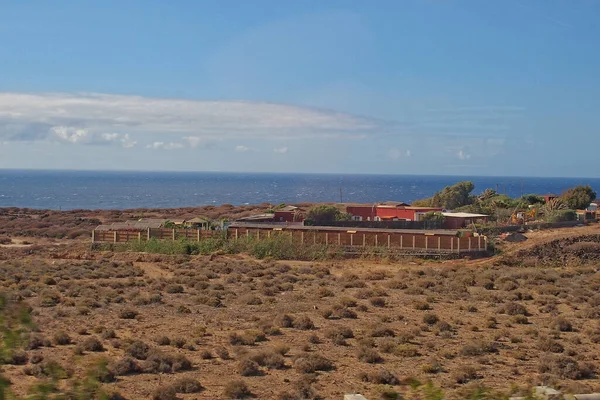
<point>81,118</point>
<point>408,153</point>
<point>123,139</point>
<point>462,155</point>
<point>241,148</point>
<point>281,150</point>
<point>70,135</point>
<point>164,146</point>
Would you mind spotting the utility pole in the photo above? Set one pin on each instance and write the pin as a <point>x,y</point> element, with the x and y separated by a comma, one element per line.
<point>341,198</point>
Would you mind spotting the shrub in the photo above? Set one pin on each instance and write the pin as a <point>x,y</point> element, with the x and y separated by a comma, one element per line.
<point>562,324</point>
<point>138,349</point>
<point>222,353</point>
<point>247,367</point>
<point>382,331</point>
<point>163,341</point>
<point>341,331</point>
<point>165,393</point>
<point>157,361</point>
<point>430,318</point>
<point>16,357</point>
<point>61,338</point>
<point>310,363</point>
<point>377,301</point>
<point>406,350</point>
<point>368,355</point>
<point>128,314</point>
<point>92,344</point>
<point>178,342</point>
<point>174,289</point>
<point>565,367</point>
<point>285,321</point>
<point>269,359</point>
<point>303,323</point>
<point>381,377</point>
<point>464,374</point>
<point>512,308</point>
<point>549,345</point>
<point>237,390</point>
<point>187,385</point>
<point>478,348</point>
<point>124,366</point>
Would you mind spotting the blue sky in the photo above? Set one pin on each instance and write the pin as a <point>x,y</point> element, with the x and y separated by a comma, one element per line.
<point>398,87</point>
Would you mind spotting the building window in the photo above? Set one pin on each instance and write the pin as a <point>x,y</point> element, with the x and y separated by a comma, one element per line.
<point>356,218</point>
<point>378,219</point>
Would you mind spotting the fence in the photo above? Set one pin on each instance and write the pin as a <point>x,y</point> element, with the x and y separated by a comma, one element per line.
<point>429,242</point>
<point>418,242</point>
<point>123,236</point>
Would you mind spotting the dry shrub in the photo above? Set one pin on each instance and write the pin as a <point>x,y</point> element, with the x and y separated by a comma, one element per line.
<point>124,366</point>
<point>382,331</point>
<point>562,324</point>
<point>128,314</point>
<point>377,301</point>
<point>92,344</point>
<point>303,322</point>
<point>478,348</point>
<point>61,338</point>
<point>310,363</point>
<point>406,350</point>
<point>138,349</point>
<point>464,374</point>
<point>368,355</point>
<point>430,318</point>
<point>549,345</point>
<point>565,367</point>
<point>237,390</point>
<point>187,385</point>
<point>513,308</point>
<point>247,367</point>
<point>222,353</point>
<point>269,359</point>
<point>381,377</point>
<point>165,393</point>
<point>157,362</point>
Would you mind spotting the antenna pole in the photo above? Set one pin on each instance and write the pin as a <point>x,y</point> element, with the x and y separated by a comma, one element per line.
<point>341,198</point>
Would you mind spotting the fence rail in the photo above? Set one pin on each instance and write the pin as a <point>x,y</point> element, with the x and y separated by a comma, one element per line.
<point>351,240</point>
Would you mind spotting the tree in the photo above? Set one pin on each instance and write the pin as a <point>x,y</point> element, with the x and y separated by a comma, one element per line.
<point>532,199</point>
<point>450,197</point>
<point>579,197</point>
<point>324,213</point>
<point>434,216</point>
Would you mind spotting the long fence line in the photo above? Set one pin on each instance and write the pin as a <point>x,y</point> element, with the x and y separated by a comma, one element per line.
<point>416,242</point>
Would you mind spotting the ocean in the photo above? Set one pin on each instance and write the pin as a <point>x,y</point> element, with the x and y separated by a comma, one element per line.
<point>67,190</point>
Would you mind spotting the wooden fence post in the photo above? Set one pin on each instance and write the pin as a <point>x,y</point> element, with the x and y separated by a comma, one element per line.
<point>139,236</point>
<point>414,241</point>
<point>375,240</point>
<point>401,242</point>
<point>302,237</point>
<point>198,234</point>
<point>326,238</point>
<point>364,239</point>
<point>479,243</point>
<point>236,233</point>
<point>390,240</point>
<point>116,237</point>
<point>148,238</point>
<point>458,248</point>
<point>351,239</point>
<point>439,242</point>
<point>426,242</point>
<point>339,239</point>
<point>93,235</point>
<point>469,243</point>
<point>451,244</point>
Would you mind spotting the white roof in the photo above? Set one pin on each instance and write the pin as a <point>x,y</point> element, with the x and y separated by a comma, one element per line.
<point>463,215</point>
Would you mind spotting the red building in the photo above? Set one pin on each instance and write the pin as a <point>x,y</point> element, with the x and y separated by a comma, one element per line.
<point>389,212</point>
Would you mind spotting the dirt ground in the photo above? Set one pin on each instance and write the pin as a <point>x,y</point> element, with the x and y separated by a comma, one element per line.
<point>291,329</point>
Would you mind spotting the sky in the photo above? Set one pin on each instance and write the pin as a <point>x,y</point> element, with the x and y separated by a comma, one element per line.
<point>447,87</point>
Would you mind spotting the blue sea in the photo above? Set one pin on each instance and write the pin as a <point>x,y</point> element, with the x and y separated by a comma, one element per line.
<point>69,190</point>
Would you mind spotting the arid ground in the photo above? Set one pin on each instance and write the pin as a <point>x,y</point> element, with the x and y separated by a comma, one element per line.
<point>290,330</point>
